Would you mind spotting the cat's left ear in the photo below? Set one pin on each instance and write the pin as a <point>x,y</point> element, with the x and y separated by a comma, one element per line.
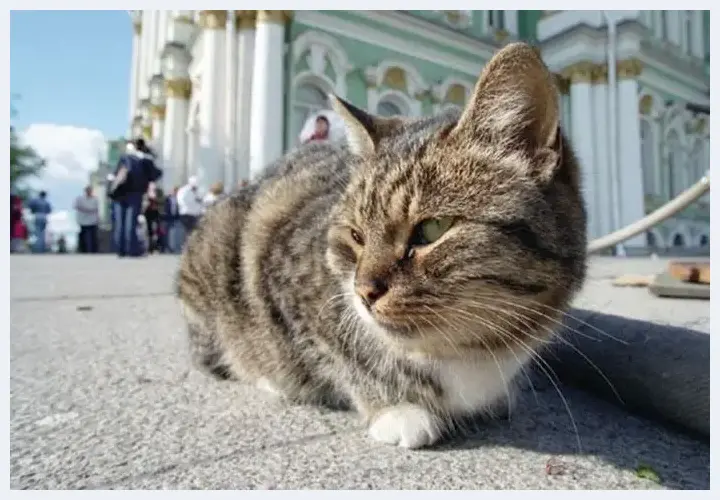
<point>364,130</point>
<point>516,103</point>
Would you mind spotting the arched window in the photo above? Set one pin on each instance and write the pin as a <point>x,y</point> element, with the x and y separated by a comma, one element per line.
<point>388,108</point>
<point>678,240</point>
<point>704,240</point>
<point>308,99</point>
<point>676,165</point>
<point>648,157</point>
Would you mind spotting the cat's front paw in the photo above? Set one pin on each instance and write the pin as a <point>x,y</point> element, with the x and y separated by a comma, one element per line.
<point>407,426</point>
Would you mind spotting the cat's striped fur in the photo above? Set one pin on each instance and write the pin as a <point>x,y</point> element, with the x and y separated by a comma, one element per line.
<point>269,281</point>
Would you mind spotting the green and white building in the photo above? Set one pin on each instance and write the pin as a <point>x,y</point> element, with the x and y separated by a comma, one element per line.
<point>222,93</point>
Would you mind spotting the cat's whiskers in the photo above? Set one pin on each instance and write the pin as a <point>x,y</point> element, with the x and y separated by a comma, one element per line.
<point>464,329</point>
<point>448,338</point>
<point>331,300</point>
<point>552,333</point>
<point>474,294</point>
<point>491,326</point>
<point>541,363</point>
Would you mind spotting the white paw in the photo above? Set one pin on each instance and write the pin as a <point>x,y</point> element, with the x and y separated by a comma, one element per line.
<point>269,388</point>
<point>407,426</point>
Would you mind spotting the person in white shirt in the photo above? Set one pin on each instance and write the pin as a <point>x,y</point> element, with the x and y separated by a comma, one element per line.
<point>190,205</point>
<point>87,216</point>
<point>213,195</point>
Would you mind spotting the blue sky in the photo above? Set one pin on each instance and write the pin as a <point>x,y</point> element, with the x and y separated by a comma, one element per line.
<point>71,70</point>
<point>71,67</point>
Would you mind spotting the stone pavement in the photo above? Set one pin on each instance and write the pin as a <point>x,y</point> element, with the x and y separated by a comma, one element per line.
<point>102,397</point>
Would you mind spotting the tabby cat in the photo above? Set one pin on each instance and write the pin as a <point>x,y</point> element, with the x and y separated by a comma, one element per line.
<point>410,272</point>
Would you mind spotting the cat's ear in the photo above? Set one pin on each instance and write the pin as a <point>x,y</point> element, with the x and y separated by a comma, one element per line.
<point>515,102</point>
<point>364,130</point>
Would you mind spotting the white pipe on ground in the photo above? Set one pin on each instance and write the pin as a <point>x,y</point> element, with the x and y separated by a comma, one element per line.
<point>674,206</point>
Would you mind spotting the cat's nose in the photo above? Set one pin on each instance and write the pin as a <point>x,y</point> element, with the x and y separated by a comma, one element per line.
<point>370,291</point>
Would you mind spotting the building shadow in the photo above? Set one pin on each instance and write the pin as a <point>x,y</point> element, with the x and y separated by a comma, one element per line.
<point>644,403</point>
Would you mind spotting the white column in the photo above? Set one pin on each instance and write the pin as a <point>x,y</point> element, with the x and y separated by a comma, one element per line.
<point>178,88</point>
<point>698,39</point>
<point>152,63</point>
<point>134,69</point>
<point>511,22</point>
<point>230,104</point>
<point>632,202</point>
<point>602,220</point>
<point>174,143</point>
<point>266,132</point>
<point>145,119</point>
<point>583,130</point>
<point>674,27</point>
<point>143,79</point>
<point>245,26</point>
<point>211,134</point>
<point>157,112</point>
<point>163,21</point>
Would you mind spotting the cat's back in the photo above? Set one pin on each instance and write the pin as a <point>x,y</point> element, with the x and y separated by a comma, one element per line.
<point>238,231</point>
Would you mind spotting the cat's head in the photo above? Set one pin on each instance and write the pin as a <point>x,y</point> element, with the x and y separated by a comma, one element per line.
<point>464,232</point>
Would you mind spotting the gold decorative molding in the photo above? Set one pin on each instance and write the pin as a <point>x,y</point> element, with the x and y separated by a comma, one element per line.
<point>645,104</point>
<point>213,19</point>
<point>563,84</point>
<point>157,112</point>
<point>600,74</point>
<point>137,27</point>
<point>501,35</point>
<point>425,94</point>
<point>395,78</point>
<point>456,94</point>
<point>629,69</point>
<point>245,19</point>
<point>180,88</point>
<point>147,132</point>
<point>183,19</point>
<point>580,72</point>
<point>274,16</point>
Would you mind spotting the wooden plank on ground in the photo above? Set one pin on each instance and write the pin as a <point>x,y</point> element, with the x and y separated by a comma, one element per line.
<point>691,272</point>
<point>666,285</point>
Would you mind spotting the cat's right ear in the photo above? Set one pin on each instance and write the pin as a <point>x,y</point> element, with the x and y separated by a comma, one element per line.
<point>364,130</point>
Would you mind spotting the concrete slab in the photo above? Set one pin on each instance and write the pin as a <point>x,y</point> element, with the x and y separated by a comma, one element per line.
<point>102,397</point>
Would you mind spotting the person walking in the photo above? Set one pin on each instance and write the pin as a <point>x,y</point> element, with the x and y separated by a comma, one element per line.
<point>152,220</point>
<point>18,229</point>
<point>214,194</point>
<point>135,171</point>
<point>171,219</point>
<point>40,209</point>
<point>87,215</point>
<point>190,205</point>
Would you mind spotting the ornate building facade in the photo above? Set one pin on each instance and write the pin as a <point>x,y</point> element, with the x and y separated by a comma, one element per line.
<point>222,93</point>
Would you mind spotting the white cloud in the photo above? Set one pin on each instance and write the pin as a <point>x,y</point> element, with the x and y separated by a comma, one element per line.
<point>62,221</point>
<point>71,154</point>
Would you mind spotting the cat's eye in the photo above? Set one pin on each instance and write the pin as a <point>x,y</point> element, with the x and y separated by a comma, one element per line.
<point>429,231</point>
<point>357,237</point>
